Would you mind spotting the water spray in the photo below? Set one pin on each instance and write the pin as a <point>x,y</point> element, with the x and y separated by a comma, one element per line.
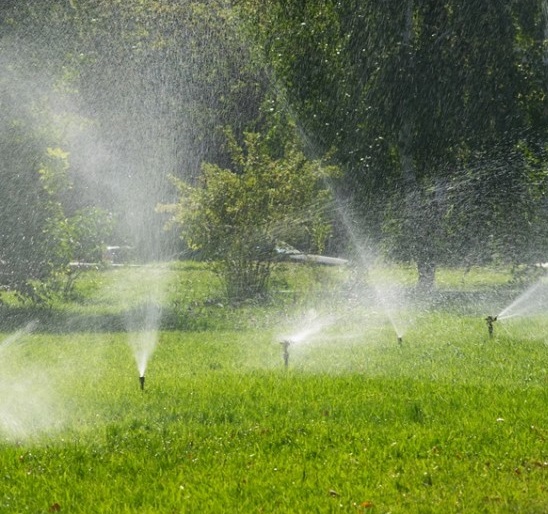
<point>285,346</point>
<point>490,320</point>
<point>142,382</point>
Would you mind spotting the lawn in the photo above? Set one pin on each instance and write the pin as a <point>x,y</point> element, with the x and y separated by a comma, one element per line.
<point>449,420</point>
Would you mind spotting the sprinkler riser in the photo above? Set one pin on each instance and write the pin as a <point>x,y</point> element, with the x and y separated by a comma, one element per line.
<point>142,382</point>
<point>490,320</point>
<point>285,346</point>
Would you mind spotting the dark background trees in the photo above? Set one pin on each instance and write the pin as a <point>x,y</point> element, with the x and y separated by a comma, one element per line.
<point>133,92</point>
<point>435,112</point>
<point>422,99</point>
<point>161,80</point>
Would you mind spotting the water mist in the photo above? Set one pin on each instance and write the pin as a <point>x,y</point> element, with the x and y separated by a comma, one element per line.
<point>303,332</point>
<point>143,323</point>
<point>29,402</point>
<point>533,300</point>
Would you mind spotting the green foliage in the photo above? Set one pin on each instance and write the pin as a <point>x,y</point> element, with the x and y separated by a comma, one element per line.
<point>133,90</point>
<point>235,217</point>
<point>90,229</point>
<point>33,240</point>
<point>434,109</point>
<point>37,249</point>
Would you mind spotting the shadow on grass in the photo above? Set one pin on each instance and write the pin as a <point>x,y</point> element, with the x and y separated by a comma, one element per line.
<point>213,316</point>
<point>57,321</point>
<point>467,302</point>
<point>63,321</point>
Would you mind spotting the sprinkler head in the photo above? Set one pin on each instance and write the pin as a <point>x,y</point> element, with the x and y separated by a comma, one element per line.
<point>490,320</point>
<point>400,340</point>
<point>285,345</point>
<point>142,382</point>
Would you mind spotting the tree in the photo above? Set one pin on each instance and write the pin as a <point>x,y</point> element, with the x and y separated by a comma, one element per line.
<point>132,91</point>
<point>236,217</point>
<point>42,229</point>
<point>417,97</point>
<point>159,80</point>
<point>33,242</point>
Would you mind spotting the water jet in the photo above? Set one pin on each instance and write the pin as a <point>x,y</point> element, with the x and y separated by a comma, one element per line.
<point>143,323</point>
<point>532,301</point>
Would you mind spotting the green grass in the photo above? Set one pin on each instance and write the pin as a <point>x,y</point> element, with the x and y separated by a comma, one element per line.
<point>449,421</point>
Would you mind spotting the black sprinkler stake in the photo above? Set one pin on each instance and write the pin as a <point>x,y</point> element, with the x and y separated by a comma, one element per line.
<point>285,346</point>
<point>142,382</point>
<point>490,320</point>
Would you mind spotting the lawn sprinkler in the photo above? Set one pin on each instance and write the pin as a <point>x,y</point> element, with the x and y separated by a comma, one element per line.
<point>400,340</point>
<point>285,345</point>
<point>142,382</point>
<point>490,320</point>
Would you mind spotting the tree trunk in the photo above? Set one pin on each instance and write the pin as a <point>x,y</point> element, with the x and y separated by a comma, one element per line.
<point>415,219</point>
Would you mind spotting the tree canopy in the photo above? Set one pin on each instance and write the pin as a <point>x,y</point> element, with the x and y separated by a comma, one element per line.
<point>422,99</point>
<point>238,217</point>
<point>435,113</point>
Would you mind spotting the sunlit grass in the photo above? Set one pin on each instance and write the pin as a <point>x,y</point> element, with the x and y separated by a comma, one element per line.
<point>473,277</point>
<point>450,420</point>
